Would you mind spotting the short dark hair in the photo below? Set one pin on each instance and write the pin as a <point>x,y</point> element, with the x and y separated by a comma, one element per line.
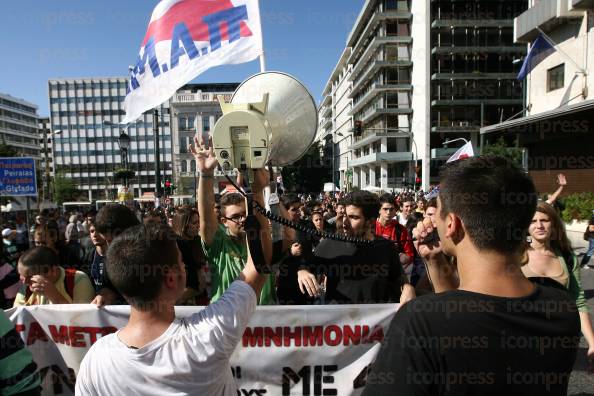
<point>432,203</point>
<point>40,259</point>
<point>367,201</point>
<point>138,259</point>
<point>231,199</point>
<point>386,198</point>
<point>290,199</point>
<point>494,199</point>
<point>114,219</point>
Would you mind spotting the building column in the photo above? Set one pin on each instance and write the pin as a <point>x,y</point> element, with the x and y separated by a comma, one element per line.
<point>90,195</point>
<point>384,180</point>
<point>384,145</point>
<point>372,176</point>
<point>356,178</point>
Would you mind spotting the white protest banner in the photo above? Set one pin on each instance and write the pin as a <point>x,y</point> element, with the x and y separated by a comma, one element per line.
<point>184,39</point>
<point>301,350</point>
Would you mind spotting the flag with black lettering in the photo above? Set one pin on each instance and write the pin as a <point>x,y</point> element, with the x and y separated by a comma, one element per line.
<point>184,39</point>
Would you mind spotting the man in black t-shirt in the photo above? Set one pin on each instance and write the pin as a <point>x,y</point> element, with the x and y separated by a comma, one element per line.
<point>489,330</point>
<point>357,273</point>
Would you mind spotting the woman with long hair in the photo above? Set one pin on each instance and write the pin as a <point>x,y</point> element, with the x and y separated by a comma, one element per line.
<point>550,256</point>
<point>186,224</point>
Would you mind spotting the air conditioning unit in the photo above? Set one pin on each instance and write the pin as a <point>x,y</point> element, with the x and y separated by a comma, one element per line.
<point>464,123</point>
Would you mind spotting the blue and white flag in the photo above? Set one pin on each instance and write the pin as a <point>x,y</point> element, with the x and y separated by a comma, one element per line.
<point>183,40</point>
<point>539,50</point>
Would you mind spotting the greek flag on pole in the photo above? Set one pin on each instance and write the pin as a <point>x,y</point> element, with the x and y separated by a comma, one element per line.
<point>539,50</point>
<point>184,39</point>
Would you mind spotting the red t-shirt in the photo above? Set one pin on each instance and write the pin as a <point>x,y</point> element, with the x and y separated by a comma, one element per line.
<point>391,230</point>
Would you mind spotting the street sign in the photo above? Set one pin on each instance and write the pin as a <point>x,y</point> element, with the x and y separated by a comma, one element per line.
<point>18,177</point>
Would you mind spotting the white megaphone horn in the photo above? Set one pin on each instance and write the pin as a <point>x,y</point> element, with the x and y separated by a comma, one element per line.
<point>271,120</point>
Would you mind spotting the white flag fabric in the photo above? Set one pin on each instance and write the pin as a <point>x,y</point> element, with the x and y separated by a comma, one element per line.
<point>463,152</point>
<point>183,40</point>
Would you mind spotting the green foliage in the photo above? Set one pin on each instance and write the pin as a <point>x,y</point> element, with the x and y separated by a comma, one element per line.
<point>578,207</point>
<point>309,173</point>
<point>65,189</point>
<point>501,149</point>
<point>123,174</point>
<point>7,151</point>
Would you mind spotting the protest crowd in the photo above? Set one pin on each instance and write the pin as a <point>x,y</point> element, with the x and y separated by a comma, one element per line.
<point>487,251</point>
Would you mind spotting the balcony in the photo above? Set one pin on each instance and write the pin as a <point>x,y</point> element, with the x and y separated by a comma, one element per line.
<point>474,102</point>
<point>470,23</point>
<point>326,111</point>
<point>374,137</point>
<point>361,60</point>
<point>455,127</point>
<point>375,90</point>
<point>199,97</point>
<point>375,20</point>
<point>374,66</point>
<point>381,157</point>
<point>586,5</point>
<point>450,50</point>
<point>384,111</point>
<point>474,76</point>
<point>545,15</point>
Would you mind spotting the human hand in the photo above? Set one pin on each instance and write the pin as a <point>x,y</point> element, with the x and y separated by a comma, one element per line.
<point>105,297</point>
<point>428,246</point>
<point>206,161</point>
<point>41,285</point>
<point>261,180</point>
<point>296,249</point>
<point>561,179</point>
<point>308,282</point>
<point>404,259</point>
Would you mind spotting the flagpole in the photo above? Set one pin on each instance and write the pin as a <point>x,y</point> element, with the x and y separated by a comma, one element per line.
<point>555,46</point>
<point>262,55</point>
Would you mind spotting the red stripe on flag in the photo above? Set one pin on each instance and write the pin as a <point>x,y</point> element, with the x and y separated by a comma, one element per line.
<point>191,12</point>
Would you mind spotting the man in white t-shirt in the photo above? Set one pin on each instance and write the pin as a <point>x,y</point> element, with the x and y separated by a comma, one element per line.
<point>155,353</point>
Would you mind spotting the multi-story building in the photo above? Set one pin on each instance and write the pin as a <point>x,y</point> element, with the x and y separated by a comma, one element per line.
<point>557,131</point>
<point>335,122</point>
<point>19,126</point>
<point>85,117</point>
<point>423,73</point>
<point>473,73</point>
<point>195,110</point>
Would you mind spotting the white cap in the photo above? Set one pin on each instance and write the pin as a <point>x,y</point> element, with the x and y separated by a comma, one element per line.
<point>6,232</point>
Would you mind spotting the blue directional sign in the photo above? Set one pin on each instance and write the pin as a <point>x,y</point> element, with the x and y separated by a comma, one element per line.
<point>17,177</point>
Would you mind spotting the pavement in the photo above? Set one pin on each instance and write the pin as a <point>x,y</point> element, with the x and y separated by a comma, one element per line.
<point>581,382</point>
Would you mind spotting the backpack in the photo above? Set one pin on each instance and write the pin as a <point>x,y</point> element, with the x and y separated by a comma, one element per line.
<point>69,274</point>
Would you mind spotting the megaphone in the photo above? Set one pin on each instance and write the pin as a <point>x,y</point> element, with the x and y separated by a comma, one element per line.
<point>270,120</point>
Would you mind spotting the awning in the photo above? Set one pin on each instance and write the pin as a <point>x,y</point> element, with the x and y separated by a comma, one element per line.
<point>546,115</point>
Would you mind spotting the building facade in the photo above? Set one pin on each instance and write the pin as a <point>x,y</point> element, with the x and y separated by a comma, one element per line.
<point>335,129</point>
<point>556,133</point>
<point>195,109</point>
<point>85,115</point>
<point>423,73</point>
<point>19,126</point>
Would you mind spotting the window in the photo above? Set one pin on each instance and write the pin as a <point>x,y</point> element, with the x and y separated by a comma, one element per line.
<point>555,77</point>
<point>193,166</point>
<point>183,146</point>
<point>206,123</point>
<point>184,166</point>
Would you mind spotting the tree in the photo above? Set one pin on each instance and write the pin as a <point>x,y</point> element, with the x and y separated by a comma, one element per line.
<point>501,149</point>
<point>7,151</point>
<point>64,189</point>
<point>309,173</point>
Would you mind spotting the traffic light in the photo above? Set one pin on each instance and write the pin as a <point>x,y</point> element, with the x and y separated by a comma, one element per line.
<point>167,187</point>
<point>358,128</point>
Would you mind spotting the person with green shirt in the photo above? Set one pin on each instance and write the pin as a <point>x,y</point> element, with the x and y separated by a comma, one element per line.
<point>18,371</point>
<point>225,243</point>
